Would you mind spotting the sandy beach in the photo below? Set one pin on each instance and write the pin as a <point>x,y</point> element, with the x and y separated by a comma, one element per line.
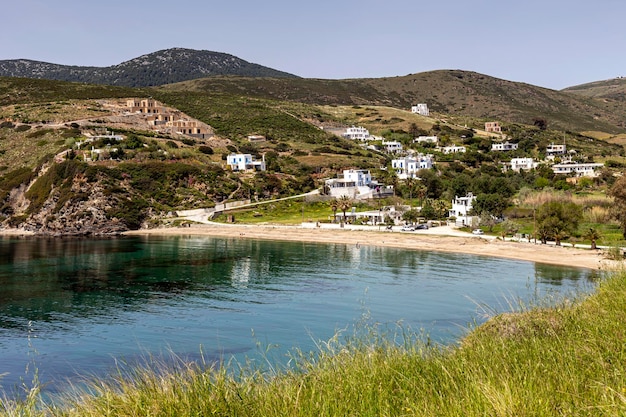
<point>444,239</point>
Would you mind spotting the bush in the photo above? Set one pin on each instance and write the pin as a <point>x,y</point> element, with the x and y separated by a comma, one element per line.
<point>22,128</point>
<point>207,150</point>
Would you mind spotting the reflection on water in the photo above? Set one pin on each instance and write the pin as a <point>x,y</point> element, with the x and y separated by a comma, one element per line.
<point>78,305</point>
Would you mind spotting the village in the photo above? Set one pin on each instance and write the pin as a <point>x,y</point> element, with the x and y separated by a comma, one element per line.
<point>350,184</point>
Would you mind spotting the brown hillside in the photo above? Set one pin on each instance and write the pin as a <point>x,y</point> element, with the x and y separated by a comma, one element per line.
<point>456,92</point>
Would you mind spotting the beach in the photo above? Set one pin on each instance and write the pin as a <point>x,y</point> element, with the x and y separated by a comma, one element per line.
<point>442,239</point>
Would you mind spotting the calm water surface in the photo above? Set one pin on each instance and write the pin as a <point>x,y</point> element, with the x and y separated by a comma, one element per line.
<point>71,307</point>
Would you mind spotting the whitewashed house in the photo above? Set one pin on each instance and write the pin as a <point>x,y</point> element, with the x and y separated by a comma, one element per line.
<point>244,162</point>
<point>587,169</point>
<point>357,133</point>
<point>408,166</point>
<point>461,208</point>
<point>453,149</point>
<point>504,146</point>
<point>553,149</point>
<point>520,164</point>
<point>426,139</point>
<point>421,109</point>
<point>357,184</point>
<point>392,146</point>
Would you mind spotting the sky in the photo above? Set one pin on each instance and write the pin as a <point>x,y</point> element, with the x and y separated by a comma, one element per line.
<point>548,43</point>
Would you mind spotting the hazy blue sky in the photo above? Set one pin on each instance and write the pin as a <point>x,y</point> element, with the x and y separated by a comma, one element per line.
<point>549,43</point>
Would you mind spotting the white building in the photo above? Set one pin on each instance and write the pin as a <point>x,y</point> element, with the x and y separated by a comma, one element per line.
<point>408,167</point>
<point>426,139</point>
<point>244,162</point>
<point>453,149</point>
<point>461,208</point>
<point>357,133</point>
<point>392,146</point>
<point>504,146</point>
<point>357,184</point>
<point>577,169</point>
<point>520,164</point>
<point>421,108</point>
<point>553,149</point>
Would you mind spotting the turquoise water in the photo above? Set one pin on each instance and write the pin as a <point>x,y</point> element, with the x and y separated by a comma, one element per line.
<point>80,306</point>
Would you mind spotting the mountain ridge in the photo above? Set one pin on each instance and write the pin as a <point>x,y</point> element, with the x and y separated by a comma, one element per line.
<point>158,68</point>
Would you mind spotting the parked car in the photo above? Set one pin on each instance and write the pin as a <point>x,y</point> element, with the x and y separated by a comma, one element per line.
<point>421,226</point>
<point>408,228</point>
<point>478,232</point>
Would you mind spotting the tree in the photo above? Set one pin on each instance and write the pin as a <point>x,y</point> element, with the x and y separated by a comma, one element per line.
<point>557,219</point>
<point>542,124</point>
<point>428,211</point>
<point>432,182</point>
<point>487,220</point>
<point>492,204</point>
<point>411,216</point>
<point>420,192</point>
<point>618,192</point>
<point>593,235</point>
<point>508,227</point>
<point>345,203</point>
<point>441,209</point>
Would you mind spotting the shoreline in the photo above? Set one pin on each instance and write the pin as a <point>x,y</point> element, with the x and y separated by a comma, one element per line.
<point>441,240</point>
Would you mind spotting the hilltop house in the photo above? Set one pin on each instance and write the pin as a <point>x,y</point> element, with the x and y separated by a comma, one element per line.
<point>145,106</point>
<point>189,128</point>
<point>408,166</point>
<point>504,146</point>
<point>256,138</point>
<point>553,149</point>
<point>453,149</point>
<point>157,115</point>
<point>357,184</point>
<point>493,127</point>
<point>392,146</point>
<point>461,208</point>
<point>244,162</point>
<point>421,109</point>
<point>520,164</point>
<point>357,133</point>
<point>426,139</point>
<point>587,169</point>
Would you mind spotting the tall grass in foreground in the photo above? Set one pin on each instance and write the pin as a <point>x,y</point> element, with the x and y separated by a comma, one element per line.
<point>568,360</point>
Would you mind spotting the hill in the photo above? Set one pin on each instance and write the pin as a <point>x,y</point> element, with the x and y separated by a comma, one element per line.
<point>158,68</point>
<point>613,89</point>
<point>448,92</point>
<point>50,183</point>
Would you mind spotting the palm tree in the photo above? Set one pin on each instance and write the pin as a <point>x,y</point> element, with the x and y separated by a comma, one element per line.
<point>420,193</point>
<point>441,209</point>
<point>334,206</point>
<point>593,235</point>
<point>345,202</point>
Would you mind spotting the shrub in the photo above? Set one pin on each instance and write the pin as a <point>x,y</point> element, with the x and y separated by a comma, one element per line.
<point>22,128</point>
<point>207,150</point>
